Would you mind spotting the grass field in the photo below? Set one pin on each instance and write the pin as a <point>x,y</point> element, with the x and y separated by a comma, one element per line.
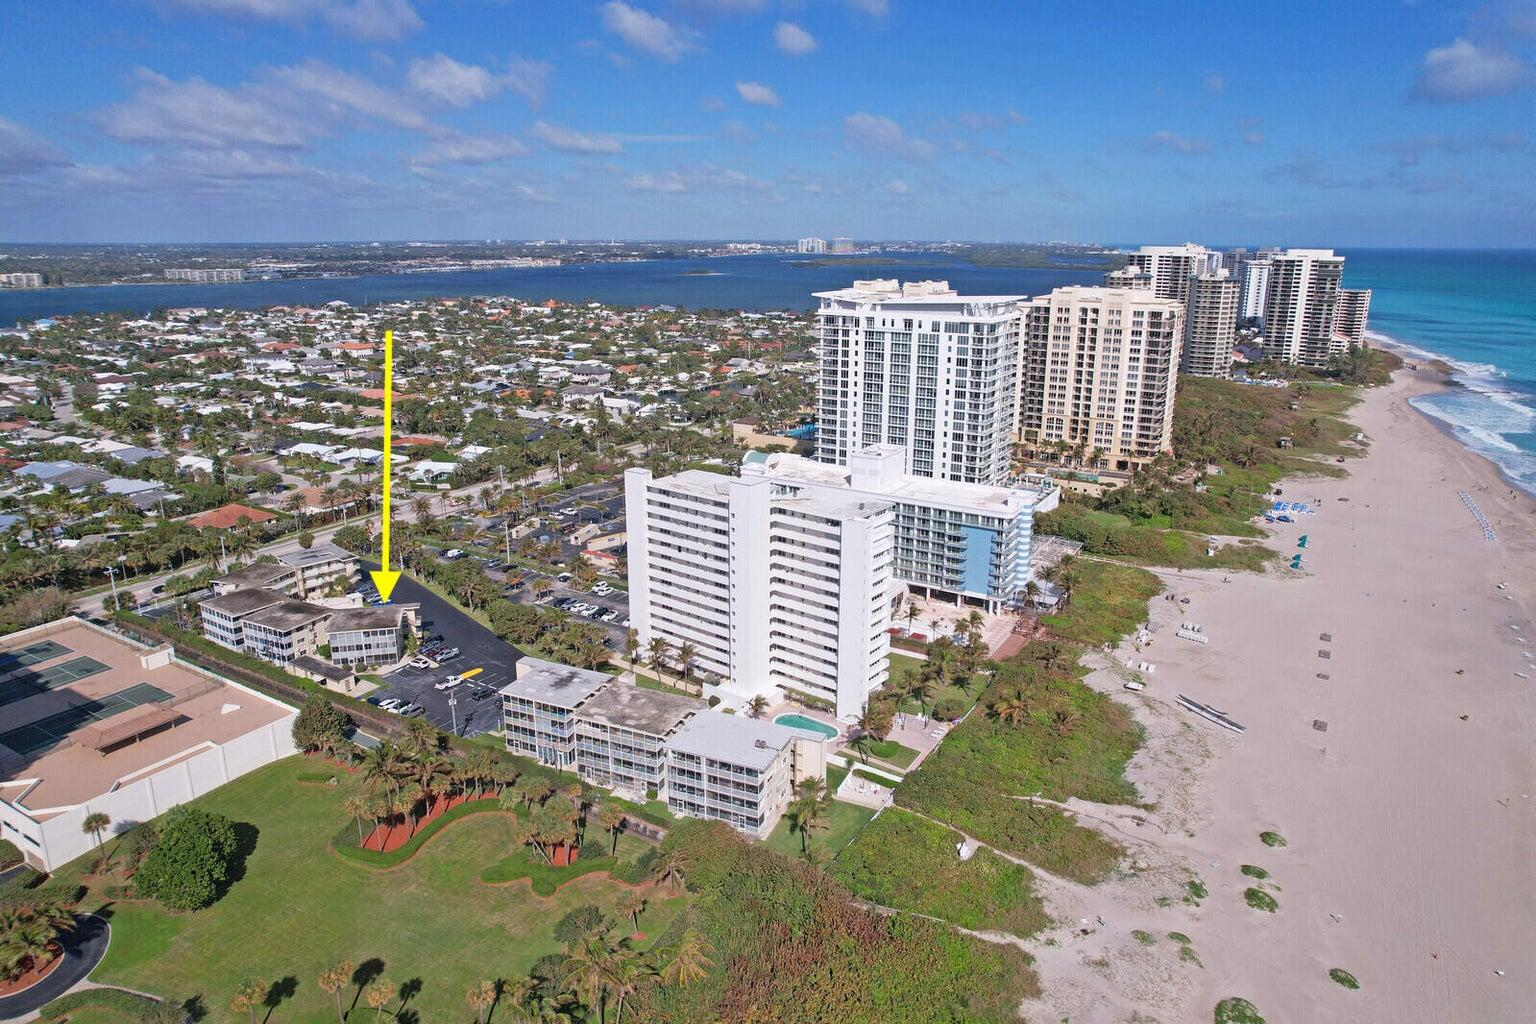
<point>904,862</point>
<point>1108,602</point>
<point>902,666</point>
<point>842,822</point>
<point>299,907</point>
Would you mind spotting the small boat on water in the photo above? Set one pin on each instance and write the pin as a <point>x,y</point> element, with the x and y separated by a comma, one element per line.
<point>1211,714</point>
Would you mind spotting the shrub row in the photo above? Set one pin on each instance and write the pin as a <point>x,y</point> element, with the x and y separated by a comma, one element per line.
<point>129,1005</point>
<point>345,840</point>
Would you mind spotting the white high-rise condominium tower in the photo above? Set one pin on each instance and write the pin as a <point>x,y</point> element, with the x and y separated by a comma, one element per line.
<point>1096,376</point>
<point>1299,306</point>
<point>1255,284</point>
<point>1174,271</point>
<point>1351,314</point>
<point>1210,318</point>
<point>920,366</point>
<point>1171,267</point>
<point>775,591</point>
<point>812,245</point>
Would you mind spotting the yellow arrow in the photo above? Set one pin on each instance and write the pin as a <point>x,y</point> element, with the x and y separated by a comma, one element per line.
<point>471,673</point>
<point>383,577</point>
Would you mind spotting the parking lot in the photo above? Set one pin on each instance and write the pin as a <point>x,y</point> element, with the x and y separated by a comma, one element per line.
<point>477,709</point>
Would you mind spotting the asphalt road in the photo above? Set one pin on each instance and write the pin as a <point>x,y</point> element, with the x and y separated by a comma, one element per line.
<point>84,947</point>
<point>479,648</point>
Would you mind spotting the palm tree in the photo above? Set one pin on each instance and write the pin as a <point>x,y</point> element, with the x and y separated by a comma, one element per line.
<point>631,651</point>
<point>247,998</point>
<point>912,613</point>
<point>589,971</point>
<point>359,806</point>
<point>668,869</point>
<point>480,997</point>
<point>333,979</point>
<point>627,972</point>
<point>1012,708</point>
<point>690,962</point>
<point>687,653</point>
<point>30,935</point>
<point>658,651</point>
<point>377,995</point>
<point>806,812</point>
<point>631,903</point>
<point>95,824</point>
<point>757,707</point>
<point>610,817</point>
<point>1064,720</point>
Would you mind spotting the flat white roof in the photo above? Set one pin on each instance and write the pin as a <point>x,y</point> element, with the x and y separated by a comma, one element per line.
<point>982,499</point>
<point>741,740</point>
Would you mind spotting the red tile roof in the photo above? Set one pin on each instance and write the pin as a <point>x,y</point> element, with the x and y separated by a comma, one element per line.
<point>225,516</point>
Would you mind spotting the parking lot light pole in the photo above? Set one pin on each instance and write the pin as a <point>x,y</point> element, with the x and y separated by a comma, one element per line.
<point>453,709</point>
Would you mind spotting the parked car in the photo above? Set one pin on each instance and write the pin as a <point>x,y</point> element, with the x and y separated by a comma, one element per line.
<point>610,615</point>
<point>391,704</point>
<point>448,683</point>
<point>453,553</point>
<point>626,623</point>
<point>411,710</point>
<point>420,663</point>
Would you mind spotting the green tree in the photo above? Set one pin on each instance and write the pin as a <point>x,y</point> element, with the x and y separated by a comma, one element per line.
<point>191,861</point>
<point>320,724</point>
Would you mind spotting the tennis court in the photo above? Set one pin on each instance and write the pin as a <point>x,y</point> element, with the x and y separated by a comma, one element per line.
<point>43,650</point>
<point>53,730</point>
<point>36,681</point>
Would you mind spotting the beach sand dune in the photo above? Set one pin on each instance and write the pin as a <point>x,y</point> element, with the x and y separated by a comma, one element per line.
<point>1399,765</point>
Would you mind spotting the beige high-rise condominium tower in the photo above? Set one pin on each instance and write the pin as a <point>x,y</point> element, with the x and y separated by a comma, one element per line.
<point>1193,275</point>
<point>1299,306</point>
<point>1096,376</point>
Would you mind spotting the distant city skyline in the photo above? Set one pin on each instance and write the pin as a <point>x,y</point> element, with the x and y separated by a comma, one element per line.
<point>1371,124</point>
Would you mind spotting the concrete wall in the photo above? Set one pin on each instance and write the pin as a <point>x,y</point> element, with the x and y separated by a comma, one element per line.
<point>59,839</point>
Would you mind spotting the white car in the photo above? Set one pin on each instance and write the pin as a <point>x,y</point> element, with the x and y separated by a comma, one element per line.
<point>391,704</point>
<point>420,663</point>
<point>448,683</point>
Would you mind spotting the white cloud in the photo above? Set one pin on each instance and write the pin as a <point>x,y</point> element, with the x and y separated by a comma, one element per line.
<point>757,93</point>
<point>880,134</point>
<point>1465,71</point>
<point>21,151</point>
<point>702,178</point>
<point>1172,142</point>
<point>897,187</point>
<point>197,112</point>
<point>793,39</point>
<point>873,8</point>
<point>444,80</point>
<point>471,150</point>
<point>711,104</point>
<point>568,140</point>
<point>369,20</point>
<point>646,32</point>
<point>345,97</point>
<point>528,79</point>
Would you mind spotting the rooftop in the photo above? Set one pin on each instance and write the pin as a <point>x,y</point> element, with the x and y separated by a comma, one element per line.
<point>317,555</point>
<point>243,602</point>
<point>69,690</point>
<point>257,574</point>
<point>738,739</point>
<point>225,516</point>
<point>653,712</point>
<point>370,617</point>
<point>553,683</point>
<point>288,613</point>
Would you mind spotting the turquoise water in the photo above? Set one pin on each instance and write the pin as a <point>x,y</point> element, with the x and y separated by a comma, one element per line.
<point>1476,309</point>
<point>809,724</point>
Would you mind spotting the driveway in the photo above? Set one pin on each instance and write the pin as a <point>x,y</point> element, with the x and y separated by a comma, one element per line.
<point>83,949</point>
<point>479,648</point>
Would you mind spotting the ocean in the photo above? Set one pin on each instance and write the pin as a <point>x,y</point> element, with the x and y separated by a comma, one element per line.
<point>1475,309</point>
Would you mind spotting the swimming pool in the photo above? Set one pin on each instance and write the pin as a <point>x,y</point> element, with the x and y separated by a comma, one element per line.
<point>808,724</point>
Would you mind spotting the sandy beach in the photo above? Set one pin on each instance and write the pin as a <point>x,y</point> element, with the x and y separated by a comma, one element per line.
<point>1398,768</point>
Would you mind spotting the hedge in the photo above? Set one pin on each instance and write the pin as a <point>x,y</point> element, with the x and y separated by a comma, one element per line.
<point>544,878</point>
<point>345,841</point>
<point>130,1005</point>
<point>9,855</point>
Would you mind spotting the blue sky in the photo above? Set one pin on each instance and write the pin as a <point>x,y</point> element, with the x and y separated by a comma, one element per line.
<point>1361,123</point>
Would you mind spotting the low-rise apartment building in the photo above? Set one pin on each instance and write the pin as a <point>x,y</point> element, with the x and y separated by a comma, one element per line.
<point>271,625</point>
<point>650,744</point>
<point>321,567</point>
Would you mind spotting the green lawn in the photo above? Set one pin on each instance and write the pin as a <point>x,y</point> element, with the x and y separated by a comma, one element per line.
<point>842,822</point>
<point>1108,602</point>
<point>902,861</point>
<point>902,666</point>
<point>890,752</point>
<point>299,907</point>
